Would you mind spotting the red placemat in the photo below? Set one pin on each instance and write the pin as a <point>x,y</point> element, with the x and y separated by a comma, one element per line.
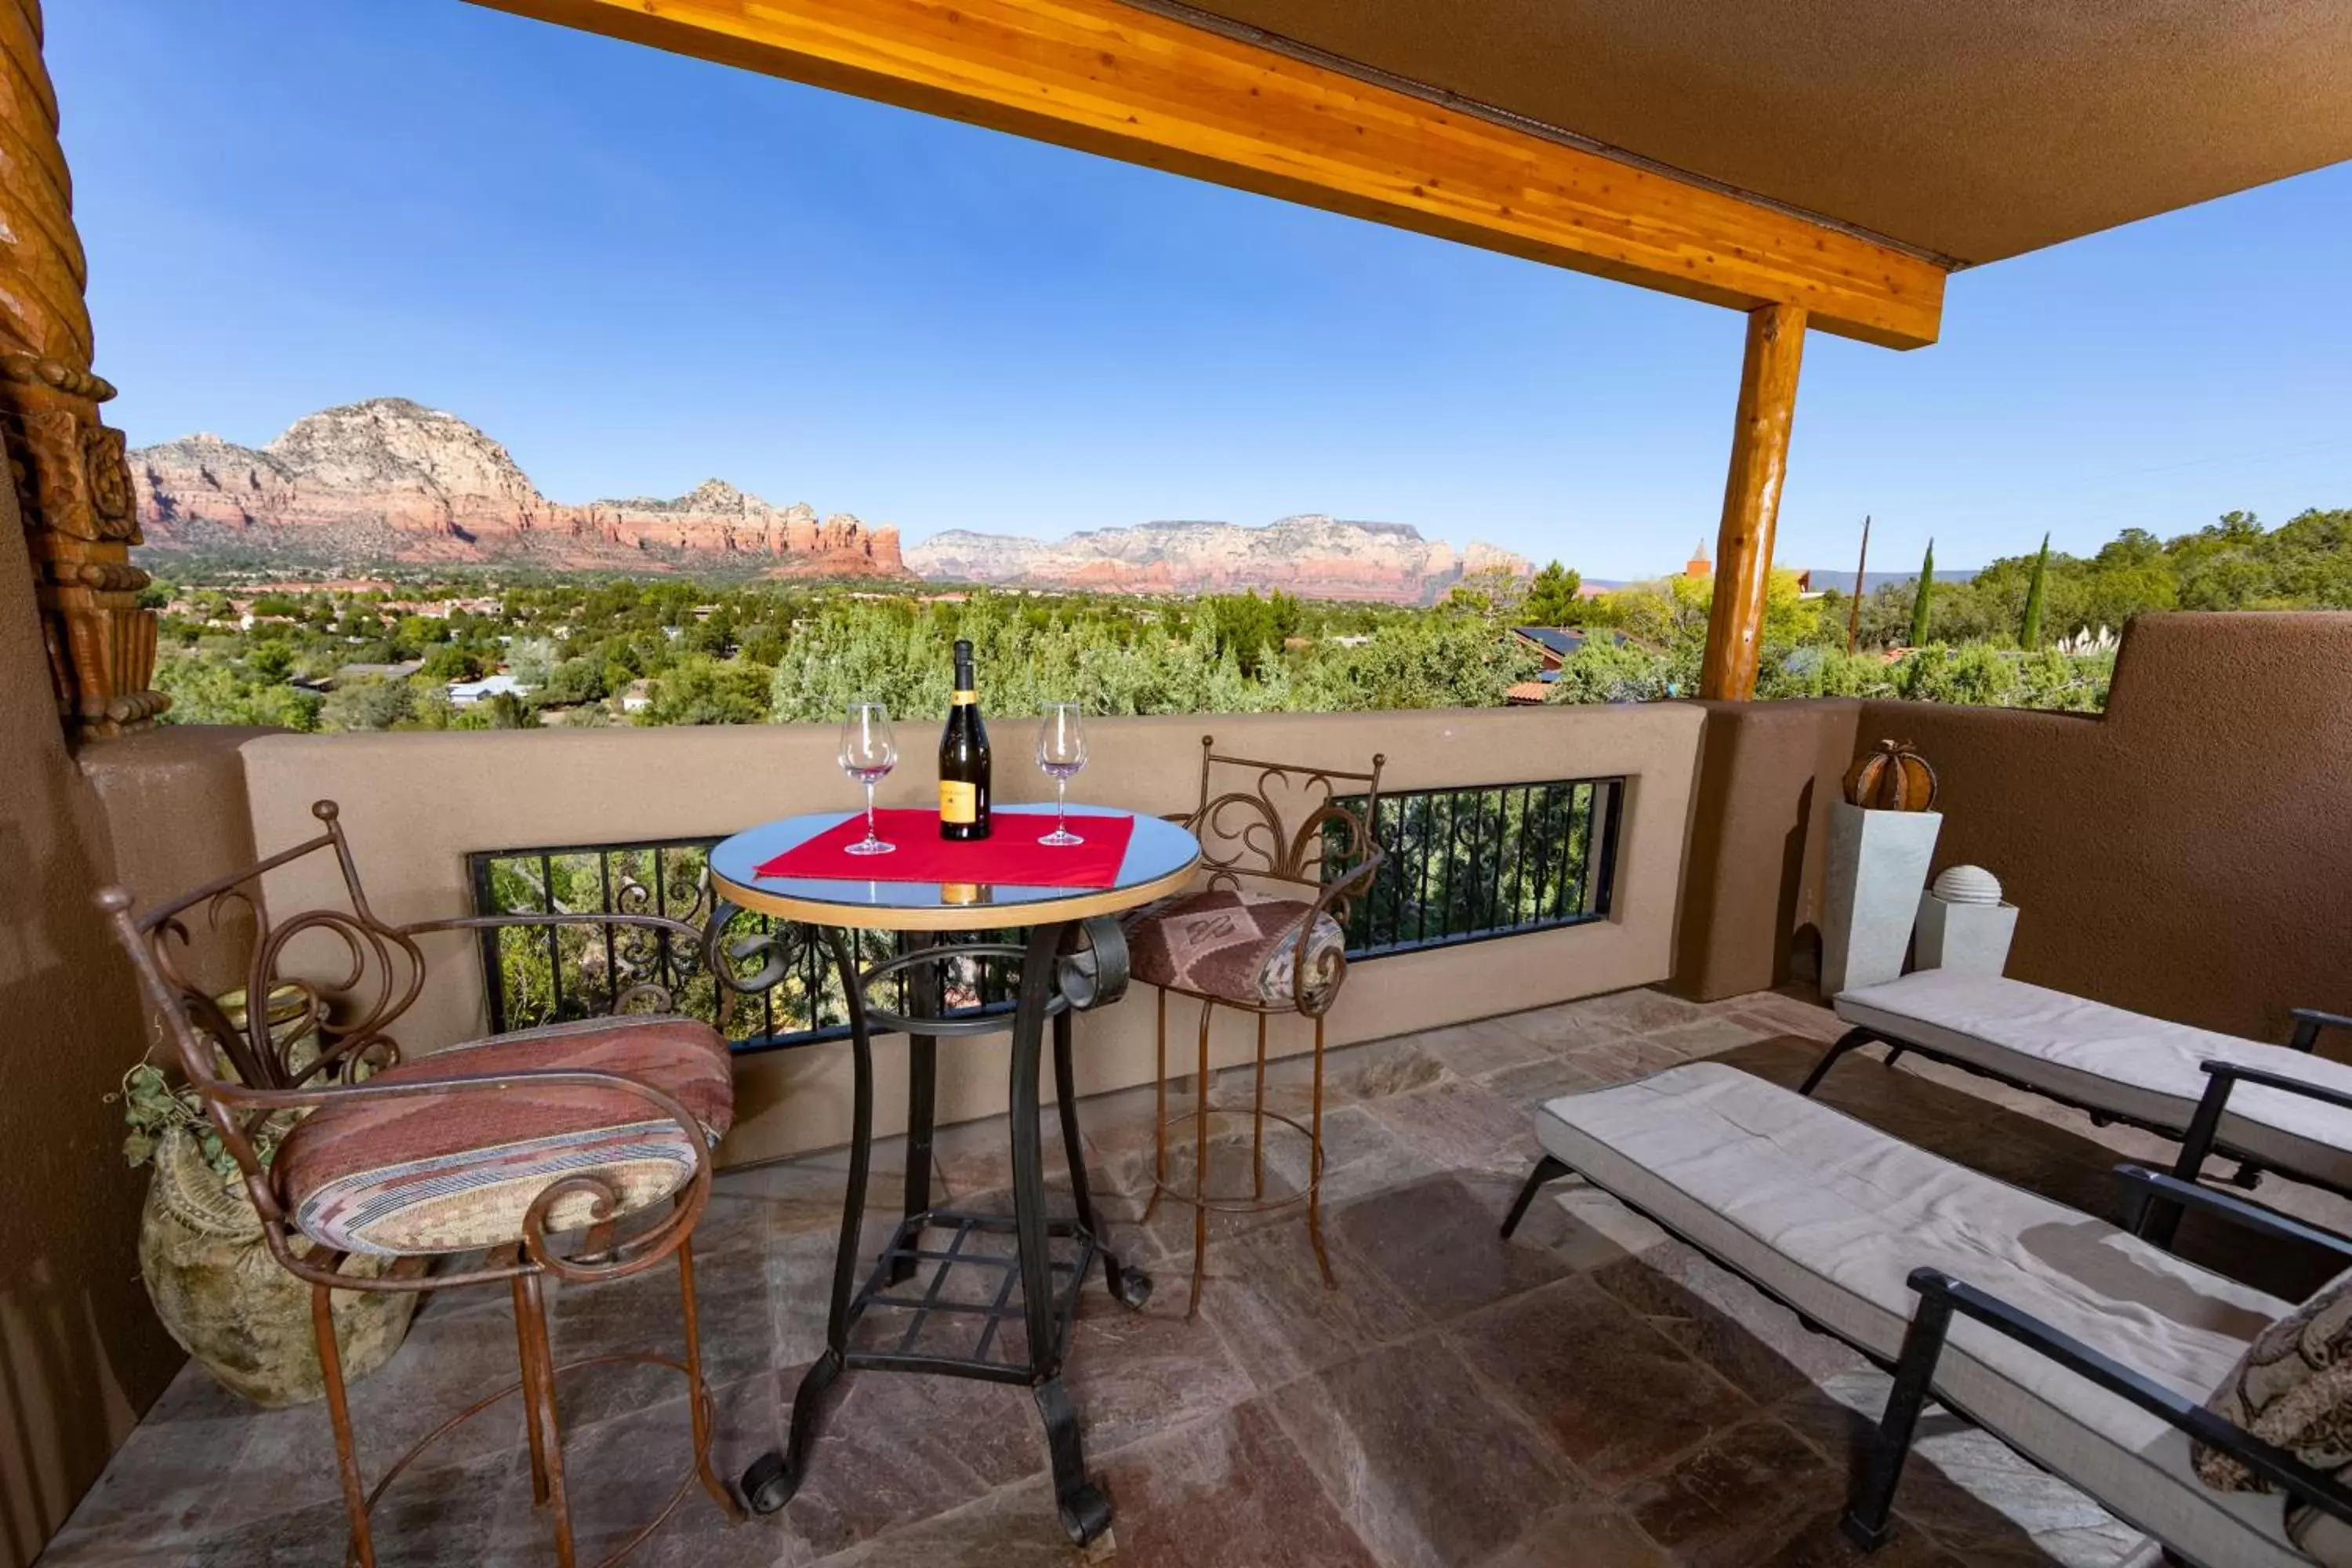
<point>1009,856</point>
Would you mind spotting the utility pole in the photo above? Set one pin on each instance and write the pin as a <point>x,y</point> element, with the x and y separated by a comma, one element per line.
<point>1860,571</point>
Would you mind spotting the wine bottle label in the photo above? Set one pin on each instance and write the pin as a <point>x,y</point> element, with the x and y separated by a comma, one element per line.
<point>959,802</point>
<point>965,698</point>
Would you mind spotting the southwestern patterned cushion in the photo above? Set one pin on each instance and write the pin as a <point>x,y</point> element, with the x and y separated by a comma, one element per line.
<point>1232,943</point>
<point>2293,1389</point>
<point>459,1170</point>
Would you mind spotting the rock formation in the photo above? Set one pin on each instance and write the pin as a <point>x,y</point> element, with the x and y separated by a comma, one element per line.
<point>388,480</point>
<point>1311,555</point>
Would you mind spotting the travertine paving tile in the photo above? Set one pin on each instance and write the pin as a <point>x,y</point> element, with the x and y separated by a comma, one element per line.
<point>1365,1426</point>
<point>1590,1394</point>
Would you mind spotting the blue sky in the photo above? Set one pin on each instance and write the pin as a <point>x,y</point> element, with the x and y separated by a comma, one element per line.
<point>638,271</point>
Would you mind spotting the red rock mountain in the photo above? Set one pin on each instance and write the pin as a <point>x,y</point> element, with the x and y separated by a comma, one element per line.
<point>389,482</point>
<point>389,479</point>
<point>1311,555</point>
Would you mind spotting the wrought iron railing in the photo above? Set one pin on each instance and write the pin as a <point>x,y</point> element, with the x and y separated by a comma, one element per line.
<point>1487,860</point>
<point>1465,865</point>
<point>552,973</point>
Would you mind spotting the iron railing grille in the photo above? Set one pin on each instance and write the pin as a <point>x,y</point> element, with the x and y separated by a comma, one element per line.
<point>552,974</point>
<point>1465,865</point>
<point>1486,860</point>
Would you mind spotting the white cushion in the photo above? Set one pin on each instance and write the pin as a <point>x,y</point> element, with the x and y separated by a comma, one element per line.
<point>1832,1215</point>
<point>2095,1055</point>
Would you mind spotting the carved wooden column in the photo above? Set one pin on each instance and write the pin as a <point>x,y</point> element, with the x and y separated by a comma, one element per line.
<point>1751,501</point>
<point>72,483</point>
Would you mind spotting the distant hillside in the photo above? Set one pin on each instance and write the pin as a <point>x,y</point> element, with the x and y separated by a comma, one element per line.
<point>389,482</point>
<point>1841,577</point>
<point>1312,556</point>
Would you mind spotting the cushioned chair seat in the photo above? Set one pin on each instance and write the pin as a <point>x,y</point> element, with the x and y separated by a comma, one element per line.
<point>459,1170</point>
<point>1232,943</point>
<point>1831,1215</point>
<point>2095,1055</point>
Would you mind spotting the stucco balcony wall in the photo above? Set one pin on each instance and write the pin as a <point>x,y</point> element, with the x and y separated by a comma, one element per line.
<point>415,805</point>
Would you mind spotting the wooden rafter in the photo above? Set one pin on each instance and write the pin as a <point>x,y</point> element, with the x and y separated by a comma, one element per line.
<point>1131,84</point>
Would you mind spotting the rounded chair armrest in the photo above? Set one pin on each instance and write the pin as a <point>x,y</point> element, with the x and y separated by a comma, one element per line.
<point>1333,901</point>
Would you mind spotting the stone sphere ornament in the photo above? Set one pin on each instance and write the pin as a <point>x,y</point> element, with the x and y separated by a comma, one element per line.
<point>1968,885</point>
<point>1892,777</point>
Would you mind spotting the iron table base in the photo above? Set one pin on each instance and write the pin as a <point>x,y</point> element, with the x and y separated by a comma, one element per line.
<point>1031,1290</point>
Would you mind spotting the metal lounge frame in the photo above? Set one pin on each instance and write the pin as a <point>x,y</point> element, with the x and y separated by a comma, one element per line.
<point>2308,1024</point>
<point>1065,966</point>
<point>1244,839</point>
<point>2151,1200</point>
<point>246,1079</point>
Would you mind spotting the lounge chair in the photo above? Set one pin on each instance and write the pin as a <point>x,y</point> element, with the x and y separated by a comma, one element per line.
<point>2122,1066</point>
<point>2079,1345</point>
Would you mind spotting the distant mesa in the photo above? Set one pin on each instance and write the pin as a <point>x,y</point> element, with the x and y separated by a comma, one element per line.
<point>1311,555</point>
<point>391,482</point>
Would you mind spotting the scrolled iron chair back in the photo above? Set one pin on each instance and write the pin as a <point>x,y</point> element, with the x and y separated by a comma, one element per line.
<point>1244,836</point>
<point>229,1065</point>
<point>245,1076</point>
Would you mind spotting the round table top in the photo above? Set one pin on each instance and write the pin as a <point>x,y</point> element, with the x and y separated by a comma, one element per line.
<point>1160,859</point>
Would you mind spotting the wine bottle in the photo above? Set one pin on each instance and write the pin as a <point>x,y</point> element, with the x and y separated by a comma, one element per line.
<point>963,760</point>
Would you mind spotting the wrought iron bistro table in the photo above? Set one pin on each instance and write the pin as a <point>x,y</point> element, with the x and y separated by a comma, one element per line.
<point>1074,957</point>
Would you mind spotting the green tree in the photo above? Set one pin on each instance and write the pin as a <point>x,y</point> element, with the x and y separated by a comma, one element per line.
<point>1551,598</point>
<point>367,704</point>
<point>701,689</point>
<point>2029,632</point>
<point>450,662</point>
<point>1922,598</point>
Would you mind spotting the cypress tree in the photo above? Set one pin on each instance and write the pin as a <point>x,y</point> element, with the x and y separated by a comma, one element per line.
<point>1920,599</point>
<point>2029,634</point>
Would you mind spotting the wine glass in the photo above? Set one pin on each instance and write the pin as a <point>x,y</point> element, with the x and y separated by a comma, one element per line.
<point>1062,752</point>
<point>869,751</point>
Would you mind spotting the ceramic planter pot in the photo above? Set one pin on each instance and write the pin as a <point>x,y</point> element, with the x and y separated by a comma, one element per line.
<point>230,1304</point>
<point>1877,870</point>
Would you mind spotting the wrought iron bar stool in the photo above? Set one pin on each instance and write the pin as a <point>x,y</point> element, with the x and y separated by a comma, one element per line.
<point>1233,944</point>
<point>508,1145</point>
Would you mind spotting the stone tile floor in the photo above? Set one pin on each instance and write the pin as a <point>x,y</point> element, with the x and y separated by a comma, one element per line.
<point>1591,1393</point>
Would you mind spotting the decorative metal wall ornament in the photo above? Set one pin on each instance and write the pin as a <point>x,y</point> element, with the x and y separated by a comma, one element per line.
<point>73,486</point>
<point>1891,776</point>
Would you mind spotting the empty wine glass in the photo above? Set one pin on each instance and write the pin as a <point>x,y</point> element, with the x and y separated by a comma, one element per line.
<point>1062,752</point>
<point>869,751</point>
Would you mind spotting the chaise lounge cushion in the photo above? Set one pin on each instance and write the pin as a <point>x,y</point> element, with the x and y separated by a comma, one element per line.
<point>2095,1054</point>
<point>458,1169</point>
<point>1831,1215</point>
<point>1233,943</point>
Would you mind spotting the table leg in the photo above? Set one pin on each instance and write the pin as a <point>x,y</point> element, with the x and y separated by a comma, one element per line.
<point>1085,1510</point>
<point>923,984</point>
<point>1132,1286</point>
<point>772,1479</point>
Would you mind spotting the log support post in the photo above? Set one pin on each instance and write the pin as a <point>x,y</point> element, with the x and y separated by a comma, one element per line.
<point>1751,500</point>
<point>72,484</point>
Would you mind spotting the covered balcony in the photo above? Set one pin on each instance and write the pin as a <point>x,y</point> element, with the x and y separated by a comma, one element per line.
<point>1575,898</point>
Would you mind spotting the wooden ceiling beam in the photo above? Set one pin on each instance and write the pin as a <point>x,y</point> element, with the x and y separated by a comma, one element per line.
<point>1106,78</point>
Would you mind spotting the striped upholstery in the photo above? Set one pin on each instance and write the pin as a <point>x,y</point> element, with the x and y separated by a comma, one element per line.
<point>459,1170</point>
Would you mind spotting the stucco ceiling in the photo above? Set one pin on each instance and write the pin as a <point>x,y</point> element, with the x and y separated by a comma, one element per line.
<point>1970,128</point>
